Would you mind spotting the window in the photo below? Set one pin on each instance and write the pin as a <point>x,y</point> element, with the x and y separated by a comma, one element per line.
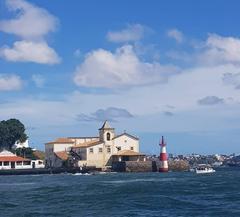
<point>100,150</point>
<point>6,163</point>
<point>19,163</point>
<point>0,163</point>
<point>91,150</point>
<point>26,162</point>
<point>119,148</point>
<point>108,150</point>
<point>132,148</point>
<point>108,136</point>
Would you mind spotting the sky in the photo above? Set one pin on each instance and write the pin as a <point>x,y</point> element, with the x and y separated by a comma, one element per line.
<point>151,68</point>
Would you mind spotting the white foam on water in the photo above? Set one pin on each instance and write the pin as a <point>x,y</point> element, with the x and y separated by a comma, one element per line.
<point>82,174</point>
<point>140,180</point>
<point>17,183</point>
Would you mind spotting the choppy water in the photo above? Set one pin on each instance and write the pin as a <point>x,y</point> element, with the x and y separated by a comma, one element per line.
<point>141,194</point>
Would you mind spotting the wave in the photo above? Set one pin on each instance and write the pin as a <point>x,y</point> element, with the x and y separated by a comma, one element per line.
<point>17,183</point>
<point>82,174</point>
<point>139,180</point>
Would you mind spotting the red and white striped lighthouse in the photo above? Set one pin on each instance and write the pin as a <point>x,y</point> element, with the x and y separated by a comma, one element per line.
<point>163,157</point>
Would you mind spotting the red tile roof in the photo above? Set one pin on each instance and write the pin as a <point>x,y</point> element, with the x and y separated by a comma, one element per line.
<point>12,158</point>
<point>61,141</point>
<point>63,155</point>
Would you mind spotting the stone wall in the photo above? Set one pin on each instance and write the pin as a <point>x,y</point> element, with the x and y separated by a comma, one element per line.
<point>148,166</point>
<point>180,165</point>
<point>133,166</point>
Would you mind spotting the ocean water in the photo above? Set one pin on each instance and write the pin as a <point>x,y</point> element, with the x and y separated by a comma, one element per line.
<point>122,194</point>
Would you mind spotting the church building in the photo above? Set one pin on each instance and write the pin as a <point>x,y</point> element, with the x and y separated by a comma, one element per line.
<point>98,152</point>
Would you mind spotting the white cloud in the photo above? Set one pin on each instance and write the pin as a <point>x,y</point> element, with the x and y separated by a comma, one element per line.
<point>215,50</point>
<point>219,50</point>
<point>131,33</point>
<point>147,104</point>
<point>30,22</point>
<point>22,51</point>
<point>176,35</point>
<point>10,82</point>
<point>38,80</point>
<point>102,68</point>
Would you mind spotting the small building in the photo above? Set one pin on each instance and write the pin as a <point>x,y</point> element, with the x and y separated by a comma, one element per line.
<point>8,160</point>
<point>98,151</point>
<point>38,159</point>
<point>54,150</point>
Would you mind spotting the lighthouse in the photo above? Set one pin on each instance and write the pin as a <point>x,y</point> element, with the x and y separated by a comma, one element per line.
<point>163,157</point>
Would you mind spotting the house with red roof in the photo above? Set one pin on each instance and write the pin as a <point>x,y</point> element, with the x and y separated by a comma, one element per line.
<point>8,160</point>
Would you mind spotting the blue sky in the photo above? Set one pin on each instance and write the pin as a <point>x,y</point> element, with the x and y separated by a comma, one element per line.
<point>150,67</point>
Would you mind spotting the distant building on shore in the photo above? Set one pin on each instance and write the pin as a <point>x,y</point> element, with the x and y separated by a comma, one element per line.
<point>97,152</point>
<point>8,160</point>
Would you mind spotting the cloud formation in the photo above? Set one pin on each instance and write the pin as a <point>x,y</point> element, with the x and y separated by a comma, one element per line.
<point>30,51</point>
<point>220,50</point>
<point>111,114</point>
<point>210,100</point>
<point>10,82</point>
<point>31,24</point>
<point>102,68</point>
<point>130,34</point>
<point>176,35</point>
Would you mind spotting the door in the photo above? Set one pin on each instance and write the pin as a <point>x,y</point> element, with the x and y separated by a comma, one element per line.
<point>12,165</point>
<point>33,165</point>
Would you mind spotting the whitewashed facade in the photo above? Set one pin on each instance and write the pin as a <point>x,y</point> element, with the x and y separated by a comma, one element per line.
<point>8,161</point>
<point>93,151</point>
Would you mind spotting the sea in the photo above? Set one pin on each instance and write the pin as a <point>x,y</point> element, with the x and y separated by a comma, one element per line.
<point>122,194</point>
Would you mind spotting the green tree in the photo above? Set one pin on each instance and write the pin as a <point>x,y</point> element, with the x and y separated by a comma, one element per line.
<point>25,153</point>
<point>11,131</point>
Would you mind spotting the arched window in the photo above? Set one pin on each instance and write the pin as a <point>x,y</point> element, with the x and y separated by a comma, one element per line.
<point>108,136</point>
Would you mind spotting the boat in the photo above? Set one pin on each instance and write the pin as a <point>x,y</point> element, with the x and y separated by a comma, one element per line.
<point>203,168</point>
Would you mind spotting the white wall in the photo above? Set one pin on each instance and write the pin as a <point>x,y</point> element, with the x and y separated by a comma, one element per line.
<point>38,164</point>
<point>62,147</point>
<point>125,142</point>
<point>16,166</point>
<point>83,140</point>
<point>96,158</point>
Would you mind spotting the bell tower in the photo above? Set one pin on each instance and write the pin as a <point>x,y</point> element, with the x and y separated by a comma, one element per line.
<point>106,132</point>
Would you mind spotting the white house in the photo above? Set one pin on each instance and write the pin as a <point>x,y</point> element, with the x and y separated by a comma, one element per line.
<point>96,152</point>
<point>8,160</point>
<point>37,164</point>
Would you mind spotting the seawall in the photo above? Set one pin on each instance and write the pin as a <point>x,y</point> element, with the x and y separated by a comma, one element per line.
<point>148,166</point>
